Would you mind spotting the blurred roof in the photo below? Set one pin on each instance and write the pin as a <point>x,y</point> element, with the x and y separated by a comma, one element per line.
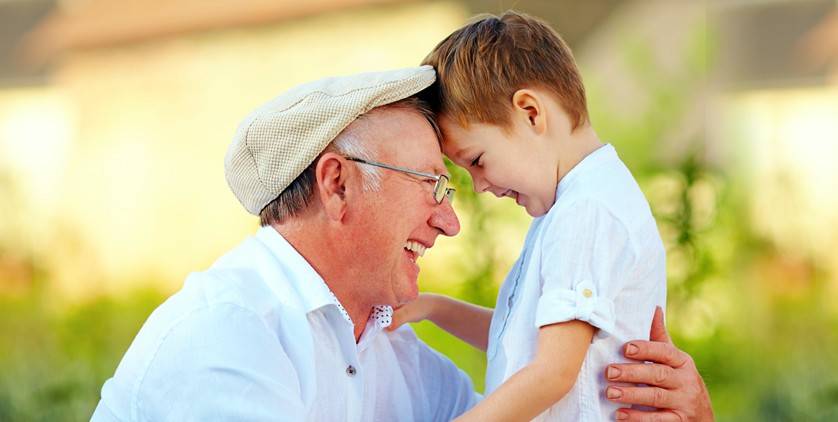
<point>17,17</point>
<point>775,44</point>
<point>762,43</point>
<point>820,45</point>
<point>84,24</point>
<point>575,20</point>
<point>101,23</point>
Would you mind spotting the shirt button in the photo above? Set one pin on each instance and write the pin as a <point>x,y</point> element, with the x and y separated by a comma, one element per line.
<point>587,293</point>
<point>350,370</point>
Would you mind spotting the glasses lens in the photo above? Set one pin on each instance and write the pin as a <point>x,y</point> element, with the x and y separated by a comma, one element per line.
<point>440,189</point>
<point>449,193</point>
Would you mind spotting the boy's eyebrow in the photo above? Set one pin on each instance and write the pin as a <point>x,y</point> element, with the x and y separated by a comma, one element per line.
<point>460,154</point>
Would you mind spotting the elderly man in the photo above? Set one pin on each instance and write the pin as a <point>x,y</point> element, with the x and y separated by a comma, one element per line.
<point>347,177</point>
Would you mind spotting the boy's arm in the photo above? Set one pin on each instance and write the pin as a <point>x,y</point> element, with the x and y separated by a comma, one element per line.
<point>466,321</point>
<point>544,381</point>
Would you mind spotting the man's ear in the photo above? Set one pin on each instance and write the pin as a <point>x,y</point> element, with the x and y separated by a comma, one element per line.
<point>331,175</point>
<point>528,107</point>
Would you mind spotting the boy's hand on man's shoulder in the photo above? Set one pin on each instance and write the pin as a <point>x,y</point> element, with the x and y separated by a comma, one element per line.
<point>415,311</point>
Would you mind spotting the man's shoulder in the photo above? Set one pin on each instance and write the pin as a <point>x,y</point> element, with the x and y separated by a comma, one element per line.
<point>437,382</point>
<point>414,355</point>
<point>217,318</point>
<point>249,276</point>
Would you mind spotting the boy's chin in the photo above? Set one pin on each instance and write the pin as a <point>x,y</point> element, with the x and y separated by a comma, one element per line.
<point>534,210</point>
<point>535,213</point>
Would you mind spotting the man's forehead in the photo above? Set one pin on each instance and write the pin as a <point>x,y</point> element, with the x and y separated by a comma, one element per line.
<point>429,164</point>
<point>453,142</point>
<point>414,141</point>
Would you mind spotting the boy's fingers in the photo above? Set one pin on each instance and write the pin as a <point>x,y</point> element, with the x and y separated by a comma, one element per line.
<point>643,396</point>
<point>643,373</point>
<point>655,351</point>
<point>634,415</point>
<point>396,321</point>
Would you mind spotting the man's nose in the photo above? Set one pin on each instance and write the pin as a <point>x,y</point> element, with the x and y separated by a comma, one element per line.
<point>445,219</point>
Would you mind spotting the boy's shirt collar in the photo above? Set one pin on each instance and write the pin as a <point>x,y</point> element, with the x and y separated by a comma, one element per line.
<point>600,155</point>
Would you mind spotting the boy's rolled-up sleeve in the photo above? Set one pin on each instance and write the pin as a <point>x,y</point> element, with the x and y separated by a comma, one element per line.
<point>584,251</point>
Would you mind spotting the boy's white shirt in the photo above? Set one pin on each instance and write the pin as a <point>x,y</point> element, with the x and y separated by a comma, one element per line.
<point>596,256</point>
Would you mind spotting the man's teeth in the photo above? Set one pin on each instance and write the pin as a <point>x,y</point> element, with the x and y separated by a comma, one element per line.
<point>415,247</point>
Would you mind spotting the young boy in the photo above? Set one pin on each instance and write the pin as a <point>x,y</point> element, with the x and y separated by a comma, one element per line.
<point>513,112</point>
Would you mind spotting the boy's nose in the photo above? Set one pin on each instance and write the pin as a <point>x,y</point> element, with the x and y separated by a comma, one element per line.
<point>480,185</point>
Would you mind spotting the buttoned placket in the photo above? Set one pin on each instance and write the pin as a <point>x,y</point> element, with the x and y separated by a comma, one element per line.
<point>510,301</point>
<point>355,372</point>
<point>352,374</point>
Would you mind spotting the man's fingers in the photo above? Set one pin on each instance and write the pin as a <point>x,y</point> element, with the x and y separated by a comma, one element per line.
<point>658,330</point>
<point>644,396</point>
<point>634,415</point>
<point>655,351</point>
<point>643,373</point>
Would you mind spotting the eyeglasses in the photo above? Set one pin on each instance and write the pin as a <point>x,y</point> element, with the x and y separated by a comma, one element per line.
<point>441,189</point>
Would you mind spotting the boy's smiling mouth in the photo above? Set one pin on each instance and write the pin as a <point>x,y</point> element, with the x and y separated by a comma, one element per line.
<point>509,193</point>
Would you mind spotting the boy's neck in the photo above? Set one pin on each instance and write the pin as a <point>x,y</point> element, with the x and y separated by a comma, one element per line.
<point>581,143</point>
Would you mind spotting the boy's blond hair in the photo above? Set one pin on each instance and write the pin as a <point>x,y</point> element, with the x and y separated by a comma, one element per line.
<point>481,65</point>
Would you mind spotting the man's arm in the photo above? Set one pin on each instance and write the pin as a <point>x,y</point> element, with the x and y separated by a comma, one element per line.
<point>673,384</point>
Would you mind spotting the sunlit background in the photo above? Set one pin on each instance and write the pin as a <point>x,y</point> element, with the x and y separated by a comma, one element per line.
<point>115,116</point>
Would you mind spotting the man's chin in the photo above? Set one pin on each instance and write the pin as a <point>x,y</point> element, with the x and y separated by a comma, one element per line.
<point>408,295</point>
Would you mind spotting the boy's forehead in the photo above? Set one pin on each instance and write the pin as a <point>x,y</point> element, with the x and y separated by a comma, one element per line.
<point>455,138</point>
<point>454,152</point>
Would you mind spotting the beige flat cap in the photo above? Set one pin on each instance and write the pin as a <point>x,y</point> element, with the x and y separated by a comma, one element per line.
<point>275,143</point>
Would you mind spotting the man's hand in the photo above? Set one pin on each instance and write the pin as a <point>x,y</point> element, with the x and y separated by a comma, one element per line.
<point>673,384</point>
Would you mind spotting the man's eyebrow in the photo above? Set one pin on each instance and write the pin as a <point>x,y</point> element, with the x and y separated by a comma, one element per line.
<point>442,171</point>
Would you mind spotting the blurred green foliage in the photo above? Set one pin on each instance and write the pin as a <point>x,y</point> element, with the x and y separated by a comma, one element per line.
<point>53,361</point>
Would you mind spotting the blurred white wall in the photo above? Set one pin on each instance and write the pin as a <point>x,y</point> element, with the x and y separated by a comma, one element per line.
<point>119,162</point>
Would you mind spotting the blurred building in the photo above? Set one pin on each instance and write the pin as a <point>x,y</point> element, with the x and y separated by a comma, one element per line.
<point>115,115</point>
<point>116,158</point>
<point>777,108</point>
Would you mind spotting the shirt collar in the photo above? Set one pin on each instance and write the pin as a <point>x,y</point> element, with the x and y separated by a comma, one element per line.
<point>313,290</point>
<point>600,155</point>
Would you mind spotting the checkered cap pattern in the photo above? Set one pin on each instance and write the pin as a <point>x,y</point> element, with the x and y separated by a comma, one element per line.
<point>276,142</point>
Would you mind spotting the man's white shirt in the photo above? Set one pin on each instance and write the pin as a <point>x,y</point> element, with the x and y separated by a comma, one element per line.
<point>259,336</point>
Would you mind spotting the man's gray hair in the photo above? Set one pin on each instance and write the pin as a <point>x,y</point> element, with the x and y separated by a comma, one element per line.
<point>299,194</point>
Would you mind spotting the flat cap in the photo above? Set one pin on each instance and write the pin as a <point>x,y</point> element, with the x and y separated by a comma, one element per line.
<point>276,142</point>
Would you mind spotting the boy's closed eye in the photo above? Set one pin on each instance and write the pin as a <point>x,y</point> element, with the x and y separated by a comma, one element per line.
<point>476,160</point>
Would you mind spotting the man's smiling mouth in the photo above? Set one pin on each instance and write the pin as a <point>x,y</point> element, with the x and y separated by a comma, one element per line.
<point>415,249</point>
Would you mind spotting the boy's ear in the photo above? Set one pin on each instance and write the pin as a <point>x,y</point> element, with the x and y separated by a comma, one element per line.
<point>528,107</point>
<point>331,174</point>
